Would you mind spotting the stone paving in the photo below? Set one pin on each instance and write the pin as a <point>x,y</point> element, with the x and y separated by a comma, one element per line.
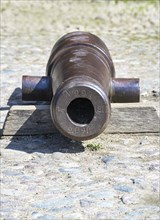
<point>55,178</point>
<point>52,177</point>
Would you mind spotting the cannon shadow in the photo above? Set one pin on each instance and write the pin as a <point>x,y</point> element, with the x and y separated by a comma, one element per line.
<point>42,143</point>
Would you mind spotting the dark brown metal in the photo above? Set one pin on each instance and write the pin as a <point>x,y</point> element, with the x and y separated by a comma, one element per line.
<point>36,88</point>
<point>125,90</point>
<point>81,77</point>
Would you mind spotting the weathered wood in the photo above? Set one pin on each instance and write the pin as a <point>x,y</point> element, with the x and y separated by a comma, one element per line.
<point>3,113</point>
<point>31,120</point>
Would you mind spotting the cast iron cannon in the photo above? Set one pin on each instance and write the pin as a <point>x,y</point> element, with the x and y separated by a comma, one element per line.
<point>80,83</point>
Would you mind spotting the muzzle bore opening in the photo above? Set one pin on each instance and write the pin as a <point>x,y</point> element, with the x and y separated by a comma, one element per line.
<point>81,111</point>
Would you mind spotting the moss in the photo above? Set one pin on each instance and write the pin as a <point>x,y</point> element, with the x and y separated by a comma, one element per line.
<point>4,5</point>
<point>138,1</point>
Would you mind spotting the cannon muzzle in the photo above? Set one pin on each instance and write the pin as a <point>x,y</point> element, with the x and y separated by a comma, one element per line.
<point>80,83</point>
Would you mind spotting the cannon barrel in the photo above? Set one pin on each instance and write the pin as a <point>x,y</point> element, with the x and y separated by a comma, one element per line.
<point>80,83</point>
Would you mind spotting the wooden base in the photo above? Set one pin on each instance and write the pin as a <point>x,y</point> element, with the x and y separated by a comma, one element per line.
<point>34,120</point>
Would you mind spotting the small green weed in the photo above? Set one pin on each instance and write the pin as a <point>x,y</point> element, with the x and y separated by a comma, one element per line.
<point>94,147</point>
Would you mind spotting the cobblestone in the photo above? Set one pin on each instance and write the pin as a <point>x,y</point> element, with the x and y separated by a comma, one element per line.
<point>38,187</point>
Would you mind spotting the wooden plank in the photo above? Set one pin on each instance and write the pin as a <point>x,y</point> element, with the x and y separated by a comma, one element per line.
<point>33,120</point>
<point>3,113</point>
<point>28,120</point>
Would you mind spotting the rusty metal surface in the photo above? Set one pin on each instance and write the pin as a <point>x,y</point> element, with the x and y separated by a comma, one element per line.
<point>125,90</point>
<point>81,69</point>
<point>36,88</point>
<point>80,80</point>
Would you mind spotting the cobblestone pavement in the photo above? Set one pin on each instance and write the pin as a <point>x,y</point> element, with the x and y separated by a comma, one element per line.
<point>52,177</point>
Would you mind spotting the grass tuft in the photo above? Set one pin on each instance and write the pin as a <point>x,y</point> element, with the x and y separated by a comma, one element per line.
<point>94,147</point>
